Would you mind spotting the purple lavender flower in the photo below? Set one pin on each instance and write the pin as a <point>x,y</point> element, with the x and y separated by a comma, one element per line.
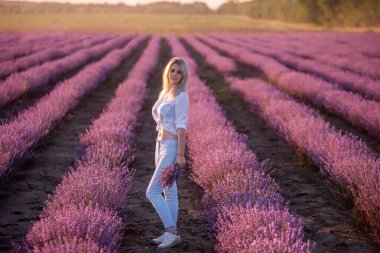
<point>86,212</point>
<point>169,174</point>
<point>233,179</point>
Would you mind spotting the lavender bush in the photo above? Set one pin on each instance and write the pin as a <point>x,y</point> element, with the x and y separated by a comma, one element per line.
<point>30,125</point>
<point>343,156</point>
<point>19,83</point>
<point>102,185</point>
<point>72,245</point>
<point>366,86</point>
<point>95,191</point>
<point>8,38</point>
<point>352,107</point>
<point>223,64</point>
<point>334,54</point>
<point>72,221</point>
<point>227,160</point>
<point>255,229</point>
<point>28,44</point>
<point>51,52</point>
<point>359,44</point>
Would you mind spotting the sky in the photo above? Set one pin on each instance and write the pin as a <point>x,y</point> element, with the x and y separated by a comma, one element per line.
<point>213,4</point>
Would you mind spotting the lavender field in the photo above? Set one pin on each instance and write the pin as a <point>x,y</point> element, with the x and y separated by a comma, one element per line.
<point>283,142</point>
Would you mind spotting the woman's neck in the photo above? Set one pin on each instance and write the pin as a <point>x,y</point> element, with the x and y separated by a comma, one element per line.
<point>171,93</point>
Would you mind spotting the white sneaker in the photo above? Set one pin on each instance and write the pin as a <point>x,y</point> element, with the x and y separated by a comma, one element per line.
<point>170,240</point>
<point>159,239</point>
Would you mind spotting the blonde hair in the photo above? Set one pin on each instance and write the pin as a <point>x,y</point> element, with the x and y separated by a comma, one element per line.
<point>182,86</point>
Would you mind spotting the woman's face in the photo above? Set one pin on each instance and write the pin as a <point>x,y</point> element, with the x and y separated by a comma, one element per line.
<point>175,74</point>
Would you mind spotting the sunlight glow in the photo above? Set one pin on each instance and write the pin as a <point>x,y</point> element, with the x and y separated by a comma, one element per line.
<point>212,4</point>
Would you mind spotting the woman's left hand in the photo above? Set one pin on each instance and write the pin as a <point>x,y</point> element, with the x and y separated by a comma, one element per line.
<point>181,161</point>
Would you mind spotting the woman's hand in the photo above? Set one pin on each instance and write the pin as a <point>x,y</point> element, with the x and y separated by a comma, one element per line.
<point>181,161</point>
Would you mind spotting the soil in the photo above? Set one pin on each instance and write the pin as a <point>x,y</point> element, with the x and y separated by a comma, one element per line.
<point>143,223</point>
<point>327,215</point>
<point>24,191</point>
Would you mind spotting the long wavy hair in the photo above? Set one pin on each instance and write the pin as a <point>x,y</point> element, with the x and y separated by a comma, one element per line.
<point>167,86</point>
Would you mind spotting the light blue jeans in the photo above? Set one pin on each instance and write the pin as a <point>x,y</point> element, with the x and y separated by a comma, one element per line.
<point>167,208</point>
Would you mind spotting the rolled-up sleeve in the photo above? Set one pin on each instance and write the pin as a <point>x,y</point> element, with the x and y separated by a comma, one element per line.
<point>182,111</point>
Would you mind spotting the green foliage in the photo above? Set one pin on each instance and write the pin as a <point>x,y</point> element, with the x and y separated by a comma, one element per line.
<point>231,7</point>
<point>353,13</point>
<point>357,13</point>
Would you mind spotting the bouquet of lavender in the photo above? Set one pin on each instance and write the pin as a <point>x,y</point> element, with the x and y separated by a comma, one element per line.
<point>169,174</point>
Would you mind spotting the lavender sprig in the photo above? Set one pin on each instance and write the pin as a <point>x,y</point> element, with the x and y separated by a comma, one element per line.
<point>169,174</point>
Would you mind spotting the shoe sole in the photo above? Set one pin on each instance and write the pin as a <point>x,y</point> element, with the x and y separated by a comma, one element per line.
<point>170,245</point>
<point>155,242</point>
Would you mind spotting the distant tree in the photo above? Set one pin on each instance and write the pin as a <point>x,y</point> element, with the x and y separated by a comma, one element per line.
<point>197,8</point>
<point>230,7</point>
<point>321,12</point>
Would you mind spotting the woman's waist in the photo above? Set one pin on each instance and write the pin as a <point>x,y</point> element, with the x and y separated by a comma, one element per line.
<point>163,135</point>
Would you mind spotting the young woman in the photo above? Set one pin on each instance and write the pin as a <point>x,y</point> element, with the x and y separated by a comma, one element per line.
<point>171,115</point>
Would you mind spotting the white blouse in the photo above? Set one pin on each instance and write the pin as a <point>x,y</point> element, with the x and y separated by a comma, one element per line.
<point>171,114</point>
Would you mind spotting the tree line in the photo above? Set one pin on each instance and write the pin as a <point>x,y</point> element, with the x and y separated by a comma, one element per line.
<point>357,13</point>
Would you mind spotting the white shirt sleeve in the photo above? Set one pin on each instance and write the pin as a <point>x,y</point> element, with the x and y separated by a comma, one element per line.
<point>182,111</point>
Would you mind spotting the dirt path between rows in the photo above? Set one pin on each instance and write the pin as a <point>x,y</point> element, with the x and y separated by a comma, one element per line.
<point>143,223</point>
<point>22,196</point>
<point>327,215</point>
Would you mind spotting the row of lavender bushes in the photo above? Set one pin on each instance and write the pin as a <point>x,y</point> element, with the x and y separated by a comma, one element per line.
<point>26,44</point>
<point>19,83</point>
<point>328,52</point>
<point>364,43</point>
<point>30,125</point>
<point>364,85</point>
<point>341,155</point>
<point>357,63</point>
<point>8,38</point>
<point>31,40</point>
<point>51,52</point>
<point>12,40</point>
<point>359,43</point>
<point>222,64</point>
<point>242,202</point>
<point>343,77</point>
<point>87,211</point>
<point>352,107</point>
<point>344,157</point>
